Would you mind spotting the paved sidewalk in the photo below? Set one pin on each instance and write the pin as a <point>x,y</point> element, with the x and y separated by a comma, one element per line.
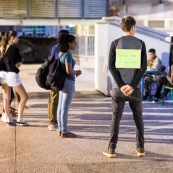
<point>35,149</point>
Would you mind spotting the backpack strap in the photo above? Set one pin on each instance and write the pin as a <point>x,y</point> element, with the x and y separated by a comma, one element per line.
<point>60,55</point>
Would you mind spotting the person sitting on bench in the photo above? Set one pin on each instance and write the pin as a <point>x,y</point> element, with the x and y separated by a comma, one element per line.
<point>165,80</point>
<point>153,63</point>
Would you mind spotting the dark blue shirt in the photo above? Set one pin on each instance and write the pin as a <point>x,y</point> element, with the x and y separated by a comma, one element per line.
<point>57,53</point>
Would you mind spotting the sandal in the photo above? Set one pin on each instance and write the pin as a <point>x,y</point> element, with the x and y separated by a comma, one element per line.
<point>69,135</point>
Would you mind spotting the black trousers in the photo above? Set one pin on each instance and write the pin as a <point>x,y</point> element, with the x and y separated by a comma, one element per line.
<point>160,83</point>
<point>148,79</point>
<point>118,102</point>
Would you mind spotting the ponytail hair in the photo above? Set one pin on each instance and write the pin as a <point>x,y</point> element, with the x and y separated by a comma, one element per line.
<point>5,40</point>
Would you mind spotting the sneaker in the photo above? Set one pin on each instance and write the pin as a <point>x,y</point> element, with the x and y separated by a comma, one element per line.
<point>14,119</point>
<point>52,127</point>
<point>22,123</point>
<point>140,152</point>
<point>109,153</point>
<point>4,118</point>
<point>156,100</point>
<point>12,123</point>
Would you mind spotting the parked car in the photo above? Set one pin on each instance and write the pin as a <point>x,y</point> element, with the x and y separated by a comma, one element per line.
<point>35,50</point>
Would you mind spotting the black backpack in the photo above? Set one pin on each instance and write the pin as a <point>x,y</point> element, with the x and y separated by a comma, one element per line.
<point>56,75</point>
<point>42,72</point>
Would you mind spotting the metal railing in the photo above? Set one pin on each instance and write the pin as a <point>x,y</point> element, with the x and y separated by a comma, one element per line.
<point>85,45</point>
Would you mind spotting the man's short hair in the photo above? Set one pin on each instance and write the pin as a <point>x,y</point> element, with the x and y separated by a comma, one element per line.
<point>152,50</point>
<point>63,31</point>
<point>127,22</point>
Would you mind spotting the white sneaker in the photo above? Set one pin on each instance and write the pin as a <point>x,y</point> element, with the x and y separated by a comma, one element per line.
<point>156,100</point>
<point>22,123</point>
<point>52,127</point>
<point>5,118</point>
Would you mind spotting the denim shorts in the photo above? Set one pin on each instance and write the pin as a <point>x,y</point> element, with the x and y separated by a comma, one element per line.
<point>13,79</point>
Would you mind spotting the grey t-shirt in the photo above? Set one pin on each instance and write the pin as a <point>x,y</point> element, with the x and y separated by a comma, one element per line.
<point>123,76</point>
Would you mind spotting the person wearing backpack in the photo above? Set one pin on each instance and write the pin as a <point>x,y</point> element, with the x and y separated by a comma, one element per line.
<point>66,43</point>
<point>54,94</point>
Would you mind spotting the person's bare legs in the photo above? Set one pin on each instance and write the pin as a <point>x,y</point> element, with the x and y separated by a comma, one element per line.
<point>20,90</point>
<point>6,100</point>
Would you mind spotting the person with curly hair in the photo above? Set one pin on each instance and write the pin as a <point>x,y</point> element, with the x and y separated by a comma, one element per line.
<point>66,43</point>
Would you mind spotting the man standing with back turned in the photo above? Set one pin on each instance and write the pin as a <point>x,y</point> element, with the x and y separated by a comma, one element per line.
<point>127,86</point>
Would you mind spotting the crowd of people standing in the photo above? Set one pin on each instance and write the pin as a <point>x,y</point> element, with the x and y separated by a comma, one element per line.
<point>126,85</point>
<point>59,101</point>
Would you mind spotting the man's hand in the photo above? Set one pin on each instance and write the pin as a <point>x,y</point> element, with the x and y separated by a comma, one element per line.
<point>130,91</point>
<point>123,89</point>
<point>127,90</point>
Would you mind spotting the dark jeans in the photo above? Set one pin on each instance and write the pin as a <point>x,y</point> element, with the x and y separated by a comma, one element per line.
<point>148,79</point>
<point>160,83</point>
<point>118,102</point>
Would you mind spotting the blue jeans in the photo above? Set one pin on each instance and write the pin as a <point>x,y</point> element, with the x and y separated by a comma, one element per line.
<point>65,99</point>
